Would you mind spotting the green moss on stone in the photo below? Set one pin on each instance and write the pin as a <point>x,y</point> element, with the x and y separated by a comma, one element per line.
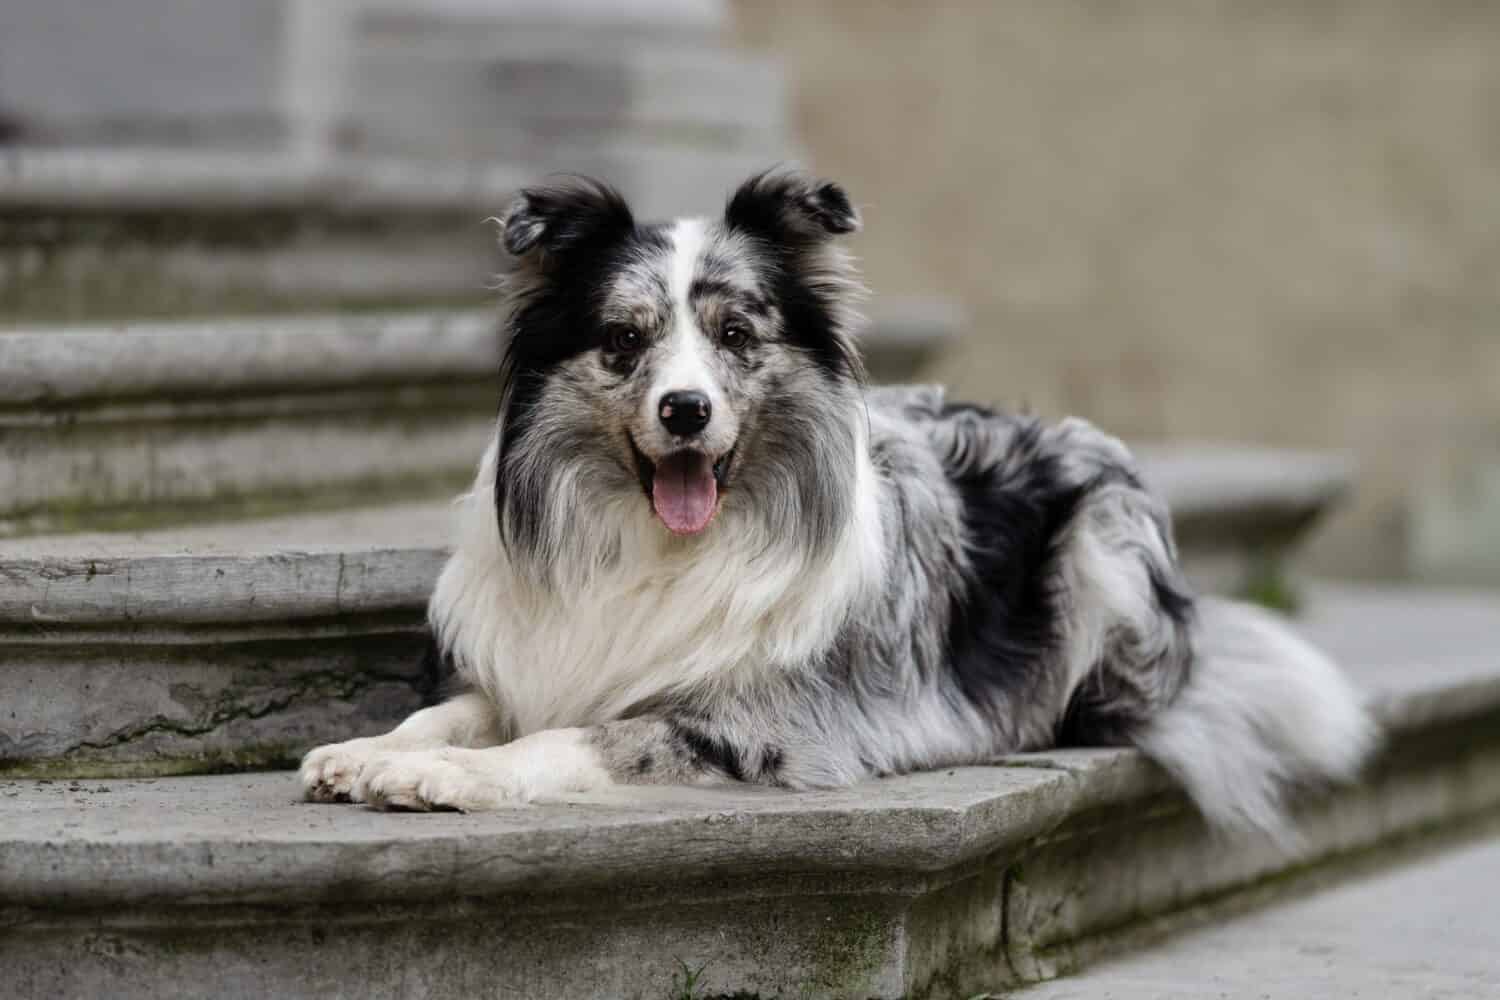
<point>1267,584</point>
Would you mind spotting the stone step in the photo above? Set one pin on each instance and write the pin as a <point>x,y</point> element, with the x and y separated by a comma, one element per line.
<point>153,423</point>
<point>524,93</point>
<point>1424,927</point>
<point>1240,512</point>
<point>514,80</point>
<point>267,73</point>
<point>111,234</point>
<point>222,645</point>
<point>947,884</point>
<point>147,423</point>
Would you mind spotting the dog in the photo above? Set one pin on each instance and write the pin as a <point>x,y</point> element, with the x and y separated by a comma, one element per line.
<point>701,549</point>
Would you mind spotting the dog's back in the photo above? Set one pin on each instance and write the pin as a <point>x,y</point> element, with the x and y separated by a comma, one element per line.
<point>1072,624</point>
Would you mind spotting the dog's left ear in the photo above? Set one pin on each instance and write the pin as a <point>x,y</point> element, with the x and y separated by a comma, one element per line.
<point>554,219</point>
<point>791,206</point>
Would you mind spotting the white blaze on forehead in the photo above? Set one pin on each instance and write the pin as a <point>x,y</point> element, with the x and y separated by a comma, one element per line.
<point>689,237</point>
<point>685,359</point>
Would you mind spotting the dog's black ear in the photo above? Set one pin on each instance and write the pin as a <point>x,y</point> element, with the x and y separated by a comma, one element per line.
<point>556,218</point>
<point>789,205</point>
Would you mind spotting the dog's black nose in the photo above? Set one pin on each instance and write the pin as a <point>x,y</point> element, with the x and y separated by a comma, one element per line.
<point>684,413</point>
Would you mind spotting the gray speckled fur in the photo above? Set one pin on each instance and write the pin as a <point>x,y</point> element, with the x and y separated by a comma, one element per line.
<point>891,582</point>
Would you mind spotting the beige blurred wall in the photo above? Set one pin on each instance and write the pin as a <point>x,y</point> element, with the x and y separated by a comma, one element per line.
<point>1259,221</point>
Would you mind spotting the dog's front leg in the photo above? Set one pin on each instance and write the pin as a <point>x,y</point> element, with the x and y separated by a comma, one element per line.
<point>331,773</point>
<point>554,762</point>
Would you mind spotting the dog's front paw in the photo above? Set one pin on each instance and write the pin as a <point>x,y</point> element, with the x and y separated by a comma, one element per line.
<point>330,773</point>
<point>430,779</point>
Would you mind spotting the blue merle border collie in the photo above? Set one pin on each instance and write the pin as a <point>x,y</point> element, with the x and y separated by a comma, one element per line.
<point>700,549</point>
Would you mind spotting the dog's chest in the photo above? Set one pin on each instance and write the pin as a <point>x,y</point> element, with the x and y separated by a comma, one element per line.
<point>592,657</point>
<point>585,661</point>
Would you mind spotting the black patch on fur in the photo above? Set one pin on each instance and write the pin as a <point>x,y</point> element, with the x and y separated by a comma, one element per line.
<point>1103,712</point>
<point>706,751</point>
<point>438,678</point>
<point>789,216</point>
<point>1005,624</point>
<point>965,409</point>
<point>561,217</point>
<point>1174,601</point>
<point>792,207</point>
<point>644,763</point>
<point>702,287</point>
<point>587,231</point>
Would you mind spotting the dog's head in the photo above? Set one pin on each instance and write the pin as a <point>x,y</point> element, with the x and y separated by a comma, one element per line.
<point>687,372</point>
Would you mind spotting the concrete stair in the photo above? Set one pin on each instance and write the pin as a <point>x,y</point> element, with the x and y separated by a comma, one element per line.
<point>226,646</point>
<point>239,380</point>
<point>1419,923</point>
<point>1239,513</point>
<point>89,235</point>
<point>946,884</point>
<point>518,80</point>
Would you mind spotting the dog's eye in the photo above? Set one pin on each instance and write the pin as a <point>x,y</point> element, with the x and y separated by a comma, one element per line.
<point>734,335</point>
<point>624,339</point>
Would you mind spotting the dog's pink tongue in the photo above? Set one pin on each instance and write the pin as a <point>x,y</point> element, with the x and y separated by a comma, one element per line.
<point>684,492</point>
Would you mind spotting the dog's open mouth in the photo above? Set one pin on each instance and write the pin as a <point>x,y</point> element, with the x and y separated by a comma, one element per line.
<point>684,487</point>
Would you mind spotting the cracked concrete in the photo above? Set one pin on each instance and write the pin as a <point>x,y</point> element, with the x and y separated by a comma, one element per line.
<point>140,707</point>
<point>208,648</point>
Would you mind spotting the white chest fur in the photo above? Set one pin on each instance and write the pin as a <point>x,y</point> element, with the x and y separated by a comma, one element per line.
<point>666,614</point>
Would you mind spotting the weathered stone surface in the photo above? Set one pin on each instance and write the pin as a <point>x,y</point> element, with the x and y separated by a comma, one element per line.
<point>1264,485</point>
<point>203,182</point>
<point>1240,512</point>
<point>538,95</point>
<point>205,648</point>
<point>108,235</point>
<point>146,703</point>
<point>51,367</point>
<point>70,69</point>
<point>1424,928</point>
<point>307,76</point>
<point>271,570</point>
<point>133,422</point>
<point>944,884</point>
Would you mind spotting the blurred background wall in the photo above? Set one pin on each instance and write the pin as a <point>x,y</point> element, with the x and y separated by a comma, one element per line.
<point>1196,219</point>
<point>1189,220</point>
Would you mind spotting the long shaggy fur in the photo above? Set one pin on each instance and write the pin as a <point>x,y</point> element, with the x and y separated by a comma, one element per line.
<point>889,582</point>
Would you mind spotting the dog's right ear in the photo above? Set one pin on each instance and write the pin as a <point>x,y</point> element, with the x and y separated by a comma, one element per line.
<point>791,206</point>
<point>553,219</point>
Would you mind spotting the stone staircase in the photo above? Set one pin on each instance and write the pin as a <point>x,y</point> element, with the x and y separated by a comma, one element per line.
<point>111,234</point>
<point>224,502</point>
<point>947,884</point>
<point>238,388</point>
<point>219,535</point>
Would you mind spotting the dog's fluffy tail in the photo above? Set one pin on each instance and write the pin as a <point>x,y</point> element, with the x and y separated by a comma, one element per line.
<point>1262,713</point>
